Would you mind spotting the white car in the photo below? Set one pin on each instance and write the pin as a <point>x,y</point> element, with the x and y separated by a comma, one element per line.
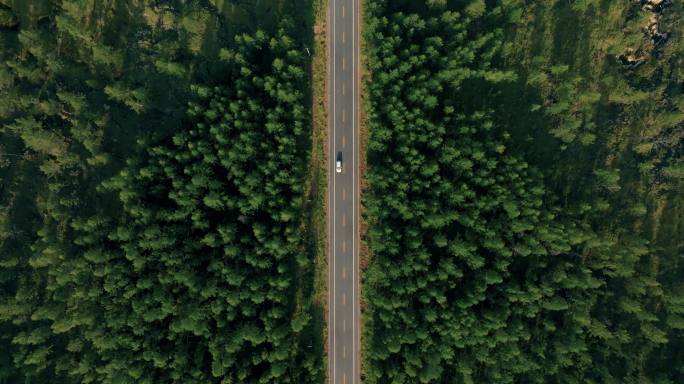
<point>339,166</point>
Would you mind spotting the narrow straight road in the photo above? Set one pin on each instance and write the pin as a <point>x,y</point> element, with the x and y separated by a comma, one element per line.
<point>344,197</point>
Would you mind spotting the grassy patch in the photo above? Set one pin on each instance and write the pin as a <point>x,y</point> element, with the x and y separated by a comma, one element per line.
<point>312,274</point>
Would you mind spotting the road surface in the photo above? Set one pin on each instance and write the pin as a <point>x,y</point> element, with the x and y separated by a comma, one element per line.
<point>344,197</point>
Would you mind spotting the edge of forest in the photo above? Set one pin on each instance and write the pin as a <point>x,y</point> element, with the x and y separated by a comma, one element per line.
<point>364,255</point>
<point>363,184</point>
<point>317,192</point>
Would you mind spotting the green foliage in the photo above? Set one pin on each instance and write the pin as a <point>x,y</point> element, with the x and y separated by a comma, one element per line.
<point>587,138</point>
<point>559,69</point>
<point>679,102</point>
<point>479,272</point>
<point>538,79</point>
<point>8,18</point>
<point>628,96</point>
<point>638,209</point>
<point>437,4</point>
<point>135,99</point>
<point>151,223</point>
<point>567,130</point>
<point>607,177</point>
<point>172,69</point>
<point>669,119</point>
<point>476,9</point>
<point>582,5</point>
<point>675,170</point>
<point>643,148</point>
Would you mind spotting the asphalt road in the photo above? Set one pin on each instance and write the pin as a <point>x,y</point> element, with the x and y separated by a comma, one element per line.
<point>344,197</point>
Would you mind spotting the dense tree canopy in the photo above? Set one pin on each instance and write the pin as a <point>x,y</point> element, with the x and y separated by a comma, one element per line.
<point>522,191</point>
<point>478,273</point>
<point>172,254</point>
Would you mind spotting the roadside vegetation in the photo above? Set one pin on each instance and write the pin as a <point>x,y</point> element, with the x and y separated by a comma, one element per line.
<point>157,194</point>
<point>314,275</point>
<point>523,192</point>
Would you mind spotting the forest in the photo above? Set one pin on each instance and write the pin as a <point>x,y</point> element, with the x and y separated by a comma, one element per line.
<point>156,193</point>
<point>162,191</point>
<point>522,194</point>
